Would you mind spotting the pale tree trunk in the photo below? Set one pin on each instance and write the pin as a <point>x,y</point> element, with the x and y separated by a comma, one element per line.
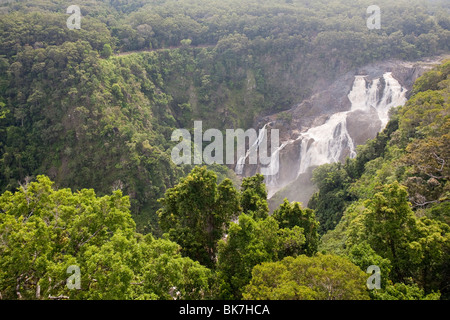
<point>38,291</point>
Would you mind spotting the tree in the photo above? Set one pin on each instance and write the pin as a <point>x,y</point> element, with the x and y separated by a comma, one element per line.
<point>323,277</point>
<point>330,201</point>
<point>248,243</point>
<point>142,267</point>
<point>106,51</point>
<point>364,256</point>
<point>430,160</point>
<point>185,42</point>
<point>290,215</point>
<point>44,231</point>
<point>389,222</point>
<point>254,197</point>
<point>428,253</point>
<point>196,213</point>
<point>402,291</point>
<point>3,110</point>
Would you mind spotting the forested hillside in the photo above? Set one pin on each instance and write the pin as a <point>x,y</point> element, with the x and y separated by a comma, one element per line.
<point>89,119</point>
<point>86,176</point>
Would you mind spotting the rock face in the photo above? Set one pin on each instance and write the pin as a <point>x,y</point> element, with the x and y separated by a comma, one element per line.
<point>327,127</point>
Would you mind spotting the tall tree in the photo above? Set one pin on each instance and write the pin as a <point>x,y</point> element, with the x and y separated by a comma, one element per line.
<point>290,215</point>
<point>254,197</point>
<point>196,213</point>
<point>248,243</point>
<point>389,222</point>
<point>333,195</point>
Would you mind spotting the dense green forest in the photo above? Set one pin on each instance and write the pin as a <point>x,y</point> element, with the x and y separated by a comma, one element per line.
<point>88,119</point>
<point>86,176</point>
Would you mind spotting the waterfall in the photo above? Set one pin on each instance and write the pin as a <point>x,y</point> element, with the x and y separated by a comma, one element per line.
<point>325,143</point>
<point>365,95</point>
<point>272,171</point>
<point>393,95</point>
<point>239,169</point>
<point>330,141</point>
<point>361,97</point>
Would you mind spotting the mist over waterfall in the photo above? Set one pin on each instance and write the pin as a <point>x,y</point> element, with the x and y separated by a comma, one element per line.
<point>337,137</point>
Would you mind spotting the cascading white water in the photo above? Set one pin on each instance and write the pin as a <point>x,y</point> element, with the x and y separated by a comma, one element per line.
<point>331,141</point>
<point>272,170</point>
<point>394,95</point>
<point>325,143</point>
<point>361,97</point>
<point>241,161</point>
<point>328,142</point>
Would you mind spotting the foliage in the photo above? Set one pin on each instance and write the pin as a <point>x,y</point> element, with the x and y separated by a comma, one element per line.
<point>95,108</point>
<point>389,221</point>
<point>254,197</point>
<point>251,242</point>
<point>333,196</point>
<point>400,220</point>
<point>196,213</point>
<point>90,119</point>
<point>43,231</point>
<point>323,277</point>
<point>401,291</point>
<point>106,51</point>
<point>290,215</point>
<point>364,256</point>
